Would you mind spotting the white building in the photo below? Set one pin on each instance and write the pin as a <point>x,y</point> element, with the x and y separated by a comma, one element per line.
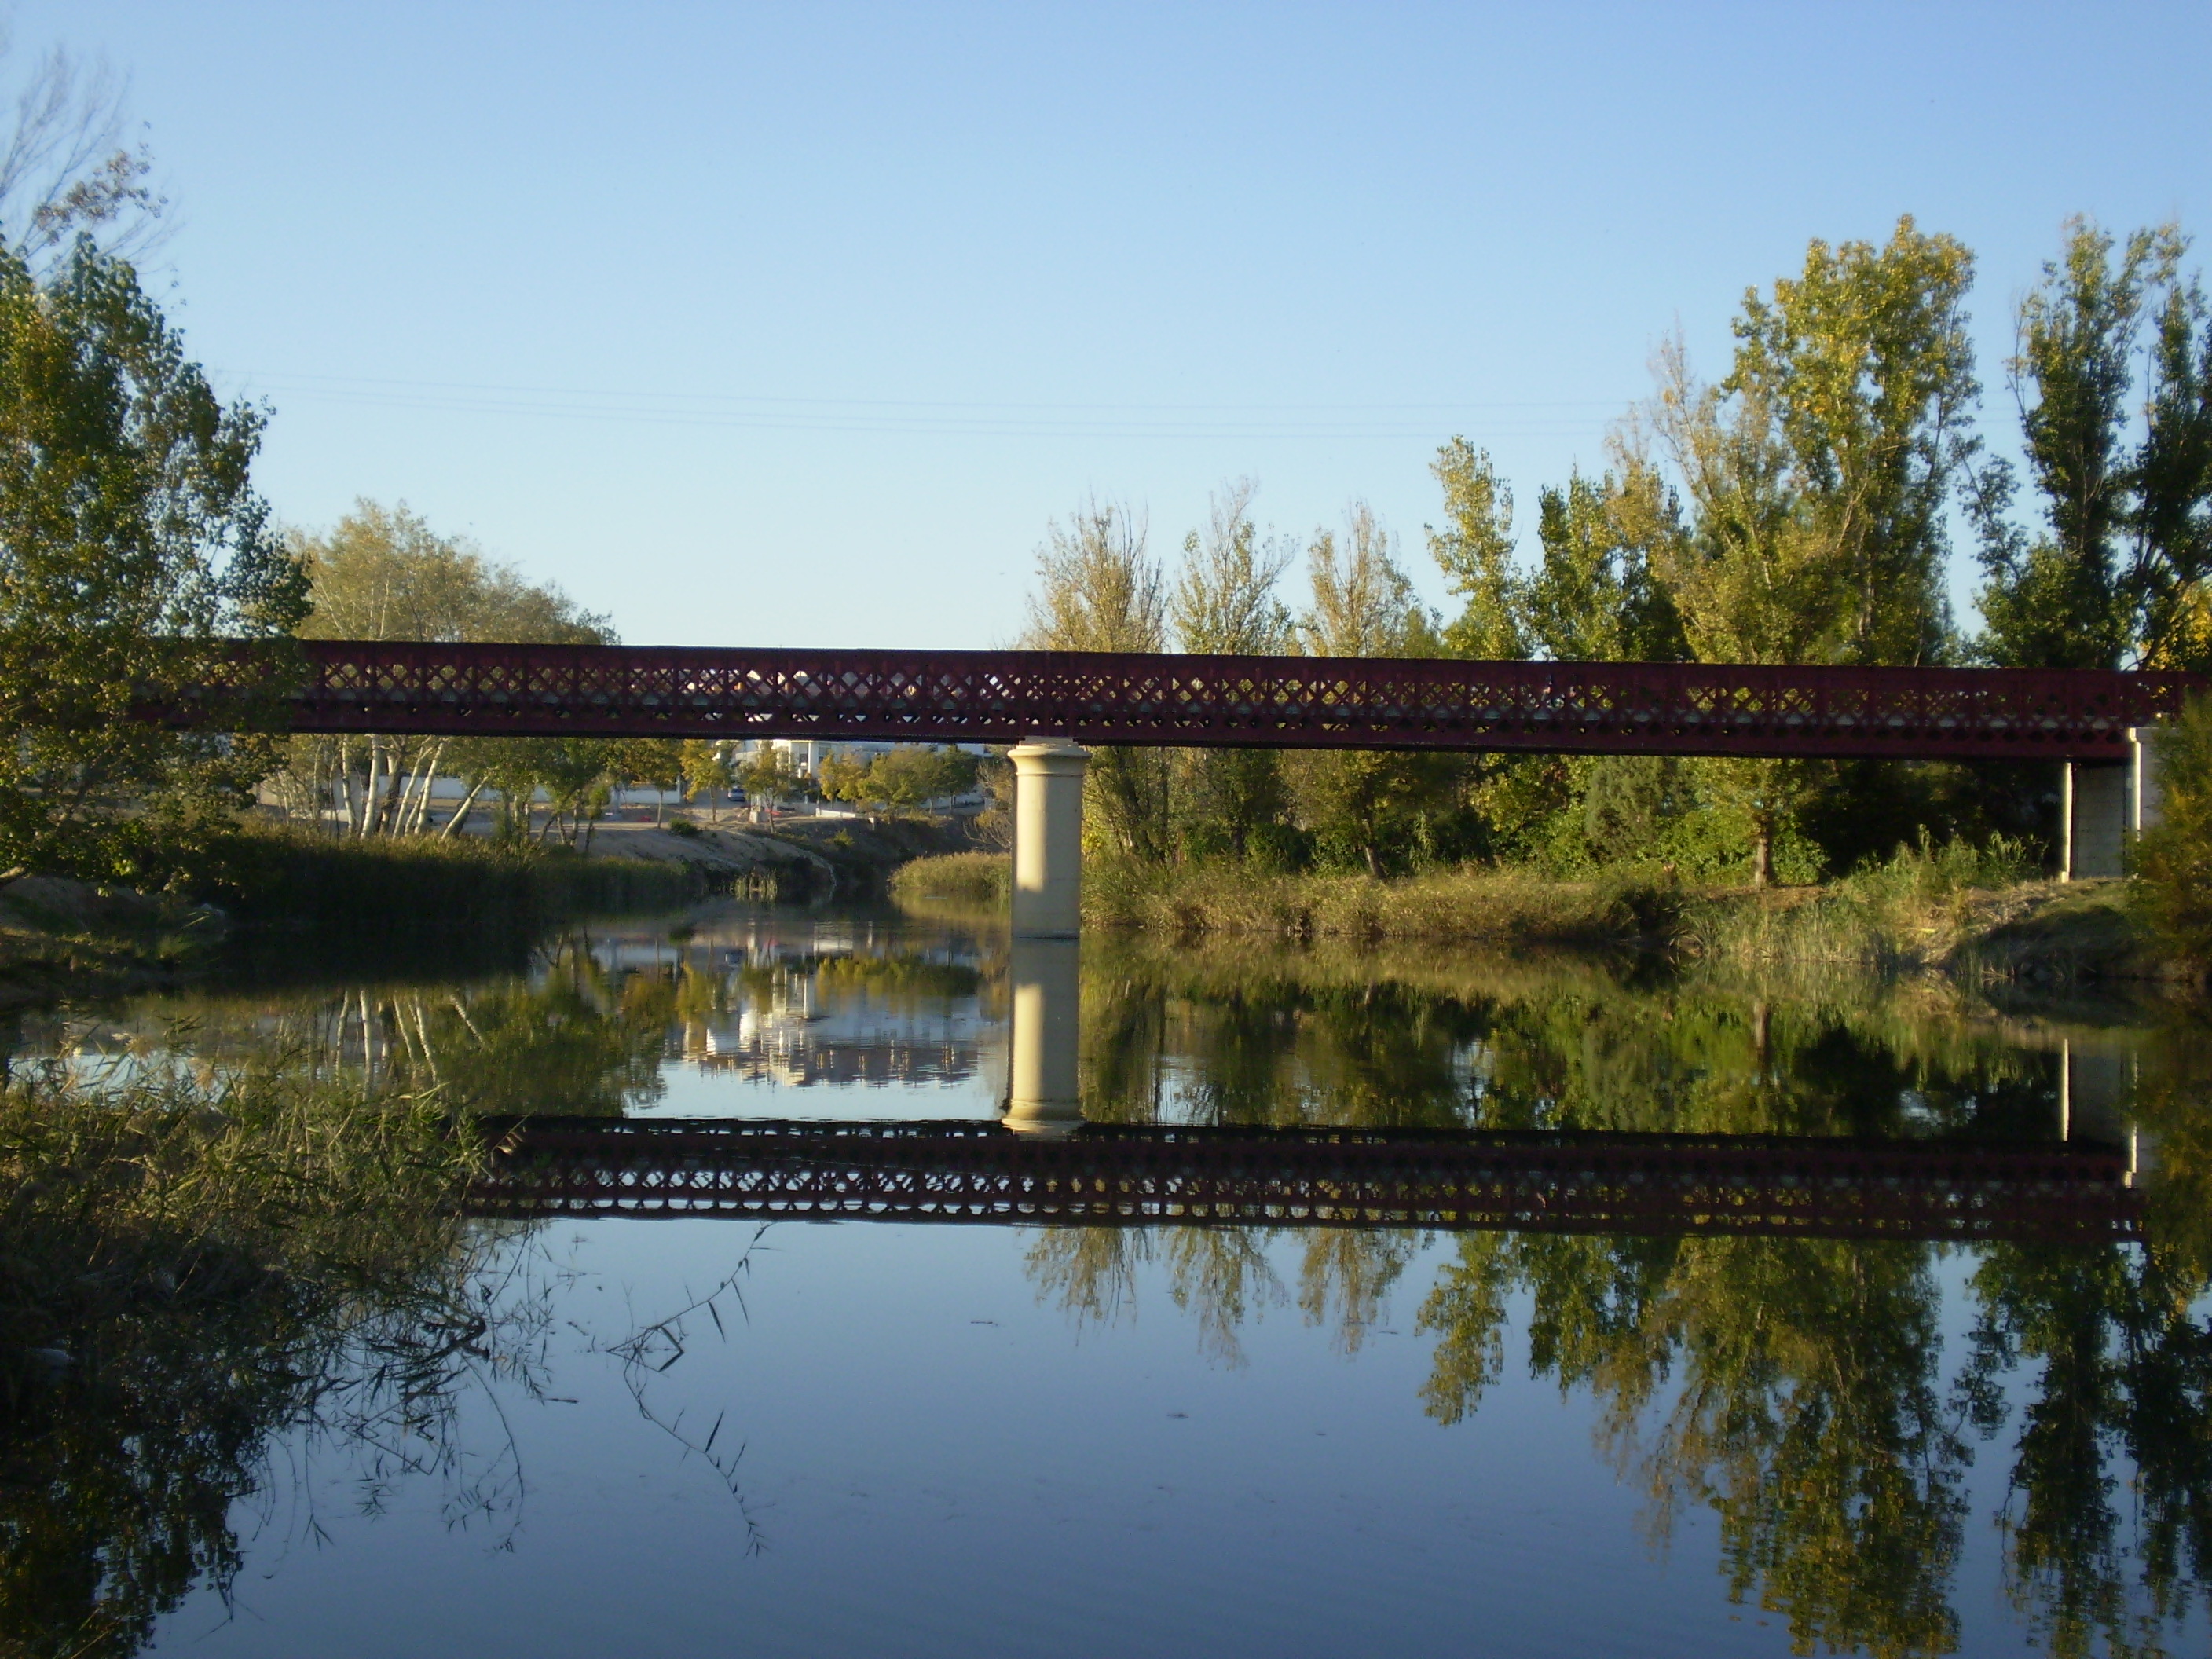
<point>807,754</point>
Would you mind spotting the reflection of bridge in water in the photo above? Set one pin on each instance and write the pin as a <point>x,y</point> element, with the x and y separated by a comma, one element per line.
<point>1114,1175</point>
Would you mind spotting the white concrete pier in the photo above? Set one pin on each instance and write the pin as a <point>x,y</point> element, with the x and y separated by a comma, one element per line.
<point>2105,804</point>
<point>1047,898</point>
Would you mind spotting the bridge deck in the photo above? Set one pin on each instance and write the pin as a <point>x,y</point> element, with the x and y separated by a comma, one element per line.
<point>1107,1176</point>
<point>1002,697</point>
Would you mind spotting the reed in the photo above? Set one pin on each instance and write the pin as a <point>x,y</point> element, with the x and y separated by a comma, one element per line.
<point>413,887</point>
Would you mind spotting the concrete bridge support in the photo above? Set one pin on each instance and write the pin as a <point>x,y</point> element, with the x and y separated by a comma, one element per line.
<point>2103,805</point>
<point>1043,1096</point>
<point>1048,897</point>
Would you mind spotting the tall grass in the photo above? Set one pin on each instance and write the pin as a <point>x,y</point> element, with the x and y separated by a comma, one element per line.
<point>1918,908</point>
<point>1629,904</point>
<point>413,887</point>
<point>955,878</point>
<point>188,1265</point>
<point>1926,905</point>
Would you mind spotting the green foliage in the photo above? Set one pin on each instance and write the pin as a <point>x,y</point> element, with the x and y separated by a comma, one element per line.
<point>2174,858</point>
<point>1594,597</point>
<point>1865,362</point>
<point>1229,802</point>
<point>2118,566</point>
<point>706,765</point>
<point>383,574</point>
<point>132,548</point>
<point>1474,550</point>
<point>2057,600</point>
<point>911,776</point>
<point>216,1263</point>
<point>768,774</point>
<point>1098,589</point>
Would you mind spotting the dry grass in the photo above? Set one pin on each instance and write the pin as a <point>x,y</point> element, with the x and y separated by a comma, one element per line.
<point>954,878</point>
<point>1472,904</point>
<point>1963,910</point>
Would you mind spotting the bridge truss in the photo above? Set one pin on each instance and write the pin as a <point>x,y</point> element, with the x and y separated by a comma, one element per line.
<point>1318,702</point>
<point>1116,1176</point>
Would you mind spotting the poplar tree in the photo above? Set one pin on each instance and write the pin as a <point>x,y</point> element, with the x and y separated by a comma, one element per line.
<point>2058,597</point>
<point>1474,550</point>
<point>1225,603</point>
<point>1367,803</point>
<point>1816,474</point>
<point>1595,595</point>
<point>1098,589</point>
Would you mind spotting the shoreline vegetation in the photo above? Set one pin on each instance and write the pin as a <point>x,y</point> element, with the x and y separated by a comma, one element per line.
<point>1954,910</point>
<point>259,888</point>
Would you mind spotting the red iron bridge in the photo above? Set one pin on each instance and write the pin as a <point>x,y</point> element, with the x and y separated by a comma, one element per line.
<point>1108,1175</point>
<point>1307,702</point>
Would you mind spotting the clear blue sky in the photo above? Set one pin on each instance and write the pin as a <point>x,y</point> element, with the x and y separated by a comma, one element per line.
<point>794,325</point>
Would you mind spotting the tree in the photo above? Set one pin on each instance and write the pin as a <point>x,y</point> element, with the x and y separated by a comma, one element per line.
<point>2059,599</point>
<point>912,775</point>
<point>2167,581</point>
<point>1474,550</point>
<point>1595,595</point>
<point>2174,857</point>
<point>706,765</point>
<point>769,775</point>
<point>1099,590</point>
<point>1815,475</point>
<point>1864,361</point>
<point>658,762</point>
<point>1370,804</point>
<point>1225,603</point>
<point>66,174</point>
<point>839,777</point>
<point>132,549</point>
<point>383,574</point>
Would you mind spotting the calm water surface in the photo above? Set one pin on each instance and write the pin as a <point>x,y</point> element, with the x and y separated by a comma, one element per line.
<point>681,1435</point>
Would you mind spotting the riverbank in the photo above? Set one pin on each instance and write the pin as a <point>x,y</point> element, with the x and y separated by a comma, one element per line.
<point>1927,911</point>
<point>792,858</point>
<point>260,890</point>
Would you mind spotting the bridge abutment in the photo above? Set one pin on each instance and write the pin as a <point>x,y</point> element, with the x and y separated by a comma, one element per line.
<point>2104,806</point>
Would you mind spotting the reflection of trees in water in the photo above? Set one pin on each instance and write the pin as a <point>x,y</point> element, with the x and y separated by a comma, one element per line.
<point>1790,1385</point>
<point>1798,1390</point>
<point>218,1300</point>
<point>1234,1037</point>
<point>1223,1276</point>
<point>1794,1386</point>
<point>188,1275</point>
<point>2108,1514</point>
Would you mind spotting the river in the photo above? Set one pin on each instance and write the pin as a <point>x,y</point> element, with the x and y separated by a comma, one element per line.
<point>684,1428</point>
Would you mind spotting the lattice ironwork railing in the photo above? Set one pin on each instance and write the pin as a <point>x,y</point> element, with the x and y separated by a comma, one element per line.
<point>1146,1176</point>
<point>1001,696</point>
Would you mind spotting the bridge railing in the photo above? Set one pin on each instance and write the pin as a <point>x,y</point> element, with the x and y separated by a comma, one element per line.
<point>1001,696</point>
<point>1107,1176</point>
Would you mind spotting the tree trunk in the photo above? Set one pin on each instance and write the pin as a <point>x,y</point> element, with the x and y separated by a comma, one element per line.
<point>1762,851</point>
<point>460,813</point>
